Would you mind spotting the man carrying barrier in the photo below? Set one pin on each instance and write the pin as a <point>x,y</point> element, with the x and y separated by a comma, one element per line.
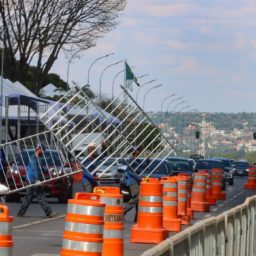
<point>34,173</point>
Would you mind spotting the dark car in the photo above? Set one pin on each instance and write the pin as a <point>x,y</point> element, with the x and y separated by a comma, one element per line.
<point>53,165</point>
<point>156,168</point>
<point>208,164</point>
<point>181,165</point>
<point>241,167</point>
<point>228,169</point>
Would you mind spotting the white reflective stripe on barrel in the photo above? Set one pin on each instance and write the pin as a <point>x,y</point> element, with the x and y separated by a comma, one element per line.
<point>150,209</point>
<point>81,246</point>
<point>182,191</point>
<point>170,185</point>
<point>217,183</point>
<point>6,251</point>
<point>199,183</point>
<point>83,228</point>
<point>112,201</point>
<point>151,199</point>
<point>113,234</point>
<point>174,194</point>
<point>180,182</point>
<point>208,186</point>
<point>170,203</point>
<point>199,177</point>
<point>182,199</point>
<point>86,210</point>
<point>199,190</point>
<point>5,228</point>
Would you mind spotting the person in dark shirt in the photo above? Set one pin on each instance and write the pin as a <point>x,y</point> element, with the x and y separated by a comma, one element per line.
<point>35,191</point>
<point>89,166</point>
<point>2,166</point>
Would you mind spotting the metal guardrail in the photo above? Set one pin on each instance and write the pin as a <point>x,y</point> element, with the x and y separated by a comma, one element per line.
<point>232,233</point>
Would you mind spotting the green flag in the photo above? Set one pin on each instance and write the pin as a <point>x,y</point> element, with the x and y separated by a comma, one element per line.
<point>130,77</point>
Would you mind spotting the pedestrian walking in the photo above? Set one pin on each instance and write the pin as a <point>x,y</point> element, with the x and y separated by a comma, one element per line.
<point>90,164</point>
<point>36,191</point>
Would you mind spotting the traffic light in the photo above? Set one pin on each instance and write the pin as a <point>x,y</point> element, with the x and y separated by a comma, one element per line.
<point>254,135</point>
<point>197,134</point>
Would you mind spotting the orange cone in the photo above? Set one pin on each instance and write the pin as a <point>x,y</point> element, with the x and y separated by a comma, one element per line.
<point>251,182</point>
<point>114,220</point>
<point>198,197</point>
<point>6,242</point>
<point>83,234</point>
<point>170,203</point>
<point>149,228</point>
<point>217,176</point>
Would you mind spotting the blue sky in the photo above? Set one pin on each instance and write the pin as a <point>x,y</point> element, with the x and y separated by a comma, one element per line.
<point>205,51</point>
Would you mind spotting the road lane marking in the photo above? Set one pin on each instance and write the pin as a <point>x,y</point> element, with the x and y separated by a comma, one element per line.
<point>39,222</point>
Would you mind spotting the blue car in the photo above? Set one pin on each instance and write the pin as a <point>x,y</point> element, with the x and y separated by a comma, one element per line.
<point>156,168</point>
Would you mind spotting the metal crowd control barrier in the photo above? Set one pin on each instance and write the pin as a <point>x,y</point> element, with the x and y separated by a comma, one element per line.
<point>123,123</point>
<point>53,163</point>
<point>230,233</point>
<point>75,114</point>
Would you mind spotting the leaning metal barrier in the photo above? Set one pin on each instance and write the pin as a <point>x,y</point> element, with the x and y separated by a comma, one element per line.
<point>70,122</point>
<point>230,233</point>
<point>123,123</point>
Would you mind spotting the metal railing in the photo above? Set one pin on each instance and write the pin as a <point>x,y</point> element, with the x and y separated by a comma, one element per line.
<point>232,233</point>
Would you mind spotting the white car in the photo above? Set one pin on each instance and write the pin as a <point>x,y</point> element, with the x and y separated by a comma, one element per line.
<point>109,168</point>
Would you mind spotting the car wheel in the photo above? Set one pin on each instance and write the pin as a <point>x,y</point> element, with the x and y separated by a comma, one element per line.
<point>65,196</point>
<point>15,198</point>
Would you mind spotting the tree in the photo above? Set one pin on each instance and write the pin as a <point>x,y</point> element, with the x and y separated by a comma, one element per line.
<point>35,31</point>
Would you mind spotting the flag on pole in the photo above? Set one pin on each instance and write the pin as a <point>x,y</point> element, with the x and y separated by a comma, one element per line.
<point>130,77</point>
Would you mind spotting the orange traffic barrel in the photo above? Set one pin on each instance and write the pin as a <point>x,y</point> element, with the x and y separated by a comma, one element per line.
<point>83,233</point>
<point>6,221</point>
<point>251,182</point>
<point>198,197</point>
<point>217,183</point>
<point>209,196</point>
<point>182,199</point>
<point>149,227</point>
<point>190,212</point>
<point>170,204</point>
<point>113,233</point>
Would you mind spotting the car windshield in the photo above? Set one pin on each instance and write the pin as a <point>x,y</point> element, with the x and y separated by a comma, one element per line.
<point>241,164</point>
<point>208,165</point>
<point>181,164</point>
<point>158,167</point>
<point>50,157</point>
<point>111,161</point>
<point>226,163</point>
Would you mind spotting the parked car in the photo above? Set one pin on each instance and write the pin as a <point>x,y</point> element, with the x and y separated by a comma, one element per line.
<point>108,169</point>
<point>53,165</point>
<point>182,165</point>
<point>228,169</point>
<point>241,167</point>
<point>209,164</point>
<point>156,168</point>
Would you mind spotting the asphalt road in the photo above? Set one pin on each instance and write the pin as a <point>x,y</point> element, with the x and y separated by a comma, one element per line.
<point>35,235</point>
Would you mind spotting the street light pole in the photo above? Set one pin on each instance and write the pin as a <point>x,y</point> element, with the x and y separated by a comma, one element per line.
<point>2,90</point>
<point>88,75</point>
<point>166,98</point>
<point>107,67</point>
<point>142,87</point>
<point>143,105</point>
